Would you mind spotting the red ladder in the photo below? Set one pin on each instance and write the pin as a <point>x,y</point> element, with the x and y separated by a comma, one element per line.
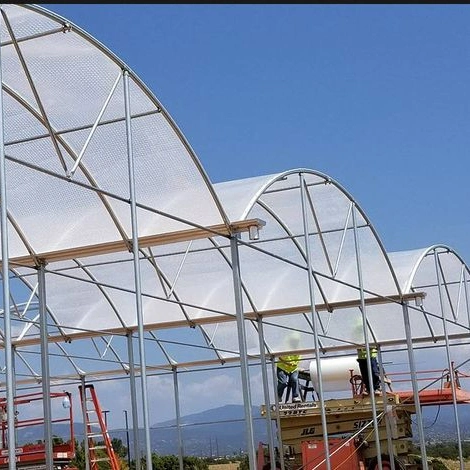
<point>93,419</point>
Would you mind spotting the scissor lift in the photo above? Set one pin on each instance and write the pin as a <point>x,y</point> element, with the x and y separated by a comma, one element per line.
<point>33,455</point>
<point>351,437</point>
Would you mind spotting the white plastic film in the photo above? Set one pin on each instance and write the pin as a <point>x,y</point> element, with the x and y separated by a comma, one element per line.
<point>335,373</point>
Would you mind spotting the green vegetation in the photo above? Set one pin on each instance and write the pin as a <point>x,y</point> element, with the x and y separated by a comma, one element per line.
<point>159,462</point>
<point>435,452</point>
<point>446,450</point>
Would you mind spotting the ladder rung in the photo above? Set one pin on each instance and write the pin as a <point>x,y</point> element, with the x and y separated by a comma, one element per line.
<point>90,405</point>
<point>98,447</point>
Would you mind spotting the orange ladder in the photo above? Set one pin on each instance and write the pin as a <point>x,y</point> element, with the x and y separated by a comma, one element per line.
<point>94,418</point>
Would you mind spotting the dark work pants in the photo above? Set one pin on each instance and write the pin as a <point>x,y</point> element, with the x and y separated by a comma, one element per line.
<point>284,379</point>
<point>365,374</point>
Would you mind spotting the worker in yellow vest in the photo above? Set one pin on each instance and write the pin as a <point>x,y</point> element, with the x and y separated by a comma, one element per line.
<point>287,369</point>
<point>288,374</point>
<point>362,360</point>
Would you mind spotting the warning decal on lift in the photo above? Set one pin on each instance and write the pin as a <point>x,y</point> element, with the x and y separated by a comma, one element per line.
<point>295,408</point>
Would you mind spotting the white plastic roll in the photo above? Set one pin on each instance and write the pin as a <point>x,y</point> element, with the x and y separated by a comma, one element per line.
<point>335,373</point>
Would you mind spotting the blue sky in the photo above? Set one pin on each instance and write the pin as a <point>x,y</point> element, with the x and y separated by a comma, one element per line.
<point>375,96</point>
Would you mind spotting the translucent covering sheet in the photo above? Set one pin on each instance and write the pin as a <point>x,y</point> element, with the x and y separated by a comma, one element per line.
<point>68,147</point>
<point>316,266</point>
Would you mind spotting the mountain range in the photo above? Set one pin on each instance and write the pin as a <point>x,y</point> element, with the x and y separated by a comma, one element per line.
<point>221,431</point>
<point>214,432</point>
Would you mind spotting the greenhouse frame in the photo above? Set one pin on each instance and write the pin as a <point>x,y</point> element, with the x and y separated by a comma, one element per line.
<point>121,259</point>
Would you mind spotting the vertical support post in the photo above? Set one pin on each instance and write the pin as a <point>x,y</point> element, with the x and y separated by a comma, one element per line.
<point>6,289</point>
<point>237,286</point>
<point>105,413</point>
<point>467,296</point>
<point>15,390</point>
<point>449,360</point>
<point>46,380</point>
<point>135,252</point>
<point>311,284</point>
<point>387,410</point>
<point>366,335</point>
<point>85,424</point>
<point>264,375</point>
<point>127,441</point>
<point>178,418</point>
<point>414,384</point>
<point>278,418</point>
<point>135,421</point>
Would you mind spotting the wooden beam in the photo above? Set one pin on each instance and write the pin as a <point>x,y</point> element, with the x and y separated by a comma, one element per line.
<point>221,318</point>
<point>144,242</point>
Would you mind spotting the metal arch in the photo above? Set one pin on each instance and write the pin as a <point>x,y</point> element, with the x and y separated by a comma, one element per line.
<point>264,188</point>
<point>58,137</point>
<point>446,338</point>
<point>29,286</point>
<point>181,305</point>
<point>425,316</point>
<point>162,349</point>
<point>429,252</point>
<point>164,282</point>
<point>100,288</point>
<point>22,237</point>
<point>294,240</point>
<point>445,285</point>
<point>161,109</point>
<point>197,231</point>
<point>435,251</point>
<point>44,117</point>
<point>71,358</point>
<point>35,374</point>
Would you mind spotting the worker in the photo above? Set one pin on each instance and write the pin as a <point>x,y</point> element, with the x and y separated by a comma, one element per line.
<point>287,370</point>
<point>362,360</point>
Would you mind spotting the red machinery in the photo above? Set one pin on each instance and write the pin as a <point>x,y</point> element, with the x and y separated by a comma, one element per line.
<point>33,455</point>
<point>29,420</point>
<point>349,423</point>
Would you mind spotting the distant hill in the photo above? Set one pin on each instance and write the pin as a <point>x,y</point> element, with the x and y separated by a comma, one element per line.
<point>221,431</point>
<point>218,431</point>
<point>33,434</point>
<point>439,422</point>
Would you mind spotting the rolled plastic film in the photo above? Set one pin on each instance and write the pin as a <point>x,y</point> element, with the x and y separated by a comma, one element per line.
<point>335,373</point>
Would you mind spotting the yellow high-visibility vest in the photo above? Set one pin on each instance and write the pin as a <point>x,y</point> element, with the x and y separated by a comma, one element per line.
<point>289,363</point>
<point>362,353</point>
